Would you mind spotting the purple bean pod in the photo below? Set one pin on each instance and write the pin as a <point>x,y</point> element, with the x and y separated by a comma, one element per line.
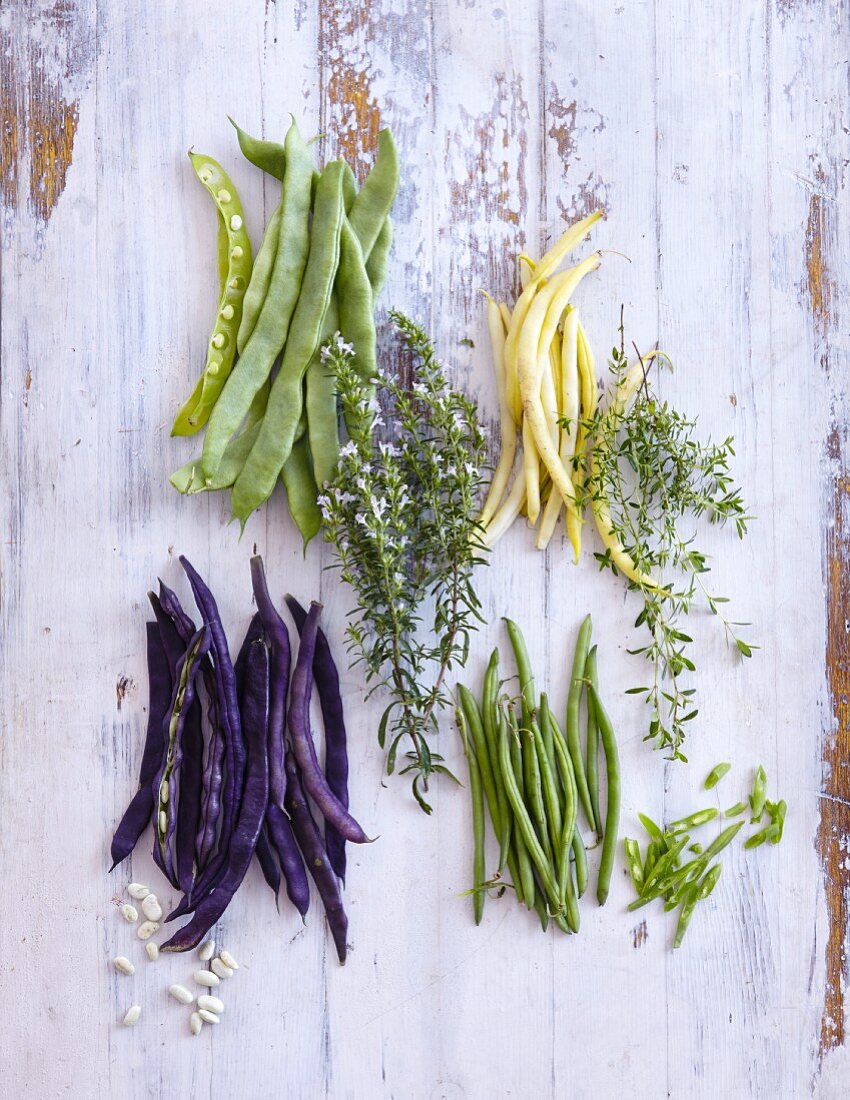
<point>268,864</point>
<point>313,849</point>
<point>302,737</point>
<point>138,813</point>
<point>291,863</point>
<point>252,809</point>
<point>183,697</point>
<point>336,740</point>
<point>281,656</point>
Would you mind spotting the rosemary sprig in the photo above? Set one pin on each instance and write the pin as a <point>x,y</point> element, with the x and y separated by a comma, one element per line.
<point>656,479</point>
<point>401,512</point>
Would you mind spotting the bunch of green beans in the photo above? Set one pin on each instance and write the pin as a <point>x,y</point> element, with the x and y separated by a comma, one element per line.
<point>266,397</point>
<point>531,776</point>
<point>665,872</point>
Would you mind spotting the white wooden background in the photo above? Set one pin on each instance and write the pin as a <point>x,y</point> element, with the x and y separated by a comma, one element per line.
<point>715,133</point>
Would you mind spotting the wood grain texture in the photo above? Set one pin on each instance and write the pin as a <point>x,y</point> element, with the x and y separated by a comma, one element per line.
<point>715,135</point>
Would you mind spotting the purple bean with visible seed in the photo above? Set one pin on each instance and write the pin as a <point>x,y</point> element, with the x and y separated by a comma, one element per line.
<point>278,637</point>
<point>291,863</point>
<point>302,738</point>
<point>310,842</point>
<point>336,741</point>
<point>138,813</point>
<point>252,809</point>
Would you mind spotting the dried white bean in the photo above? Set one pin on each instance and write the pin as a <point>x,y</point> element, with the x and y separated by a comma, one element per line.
<point>129,913</point>
<point>147,929</point>
<point>151,907</point>
<point>123,965</point>
<point>195,1023</point>
<point>152,951</point>
<point>181,993</point>
<point>212,1004</point>
<point>137,891</point>
<point>220,970</point>
<point>206,977</point>
<point>207,951</point>
<point>208,1017</point>
<point>228,960</point>
<point>133,1013</point>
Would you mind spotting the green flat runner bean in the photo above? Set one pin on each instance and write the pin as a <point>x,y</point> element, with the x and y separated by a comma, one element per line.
<point>322,414</point>
<point>612,811</point>
<point>234,247</point>
<point>354,300</point>
<point>377,264</point>
<point>371,208</point>
<point>261,277</point>
<point>301,491</point>
<point>273,324</point>
<point>573,706</point>
<point>591,673</point>
<point>274,443</point>
<point>268,156</point>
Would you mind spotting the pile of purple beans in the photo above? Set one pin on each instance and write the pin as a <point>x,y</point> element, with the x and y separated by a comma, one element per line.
<point>229,769</point>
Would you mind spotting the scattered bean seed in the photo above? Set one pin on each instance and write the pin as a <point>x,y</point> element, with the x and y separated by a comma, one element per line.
<point>207,951</point>
<point>152,951</point>
<point>129,913</point>
<point>220,970</point>
<point>228,960</point>
<point>151,907</point>
<point>195,1023</point>
<point>181,993</point>
<point>137,891</point>
<point>147,928</point>
<point>132,1015</point>
<point>208,1017</point>
<point>207,978</point>
<point>212,1004</point>
<point>123,965</point>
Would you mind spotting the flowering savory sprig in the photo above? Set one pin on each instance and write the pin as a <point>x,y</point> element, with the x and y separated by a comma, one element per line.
<point>401,512</point>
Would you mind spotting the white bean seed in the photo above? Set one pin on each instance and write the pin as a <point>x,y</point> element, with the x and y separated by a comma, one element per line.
<point>181,993</point>
<point>228,960</point>
<point>151,907</point>
<point>129,913</point>
<point>163,822</point>
<point>208,1017</point>
<point>220,970</point>
<point>164,791</point>
<point>212,1004</point>
<point>133,1013</point>
<point>137,891</point>
<point>147,929</point>
<point>207,951</point>
<point>123,965</point>
<point>206,977</point>
<point>152,951</point>
<point>235,223</point>
<point>224,195</point>
<point>195,1023</point>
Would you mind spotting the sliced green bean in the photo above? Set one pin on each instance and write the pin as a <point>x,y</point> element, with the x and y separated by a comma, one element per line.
<point>222,347</point>
<point>634,862</point>
<point>684,921</point>
<point>526,828</point>
<point>479,876</point>
<point>653,831</point>
<point>377,265</point>
<point>709,881</point>
<point>371,208</point>
<point>693,821</point>
<point>715,775</point>
<point>268,156</point>
<point>274,443</point>
<point>612,812</point>
<point>572,727</point>
<point>660,868</point>
<point>591,673</point>
<point>301,490</point>
<point>273,324</point>
<point>779,820</point>
<point>736,810</point>
<point>523,664</point>
<point>722,840</point>
<point>759,795</point>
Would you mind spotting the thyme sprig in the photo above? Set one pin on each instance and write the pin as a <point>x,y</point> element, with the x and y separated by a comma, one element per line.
<point>401,513</point>
<point>657,478</point>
